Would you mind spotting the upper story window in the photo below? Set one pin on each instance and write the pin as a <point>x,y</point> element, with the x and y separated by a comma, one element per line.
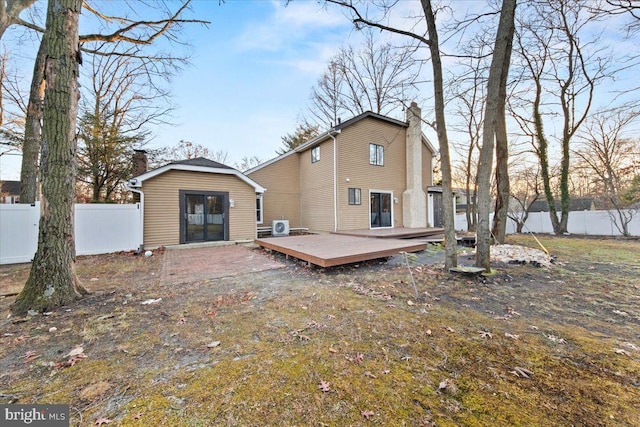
<point>315,154</point>
<point>376,155</point>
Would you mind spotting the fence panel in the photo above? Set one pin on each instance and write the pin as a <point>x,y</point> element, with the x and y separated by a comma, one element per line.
<point>102,229</point>
<point>18,232</point>
<point>596,223</point>
<point>99,229</point>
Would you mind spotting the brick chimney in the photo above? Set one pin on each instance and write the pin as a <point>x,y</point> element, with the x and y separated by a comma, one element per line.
<point>414,199</point>
<point>139,163</point>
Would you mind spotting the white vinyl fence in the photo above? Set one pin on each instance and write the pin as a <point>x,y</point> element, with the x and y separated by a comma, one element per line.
<point>594,223</point>
<point>99,229</point>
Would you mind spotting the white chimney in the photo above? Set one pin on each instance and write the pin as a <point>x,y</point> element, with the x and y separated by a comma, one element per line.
<point>414,199</point>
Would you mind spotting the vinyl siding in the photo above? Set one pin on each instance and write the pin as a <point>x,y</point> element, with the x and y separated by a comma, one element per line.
<point>282,198</point>
<point>353,163</point>
<point>162,205</point>
<point>316,189</point>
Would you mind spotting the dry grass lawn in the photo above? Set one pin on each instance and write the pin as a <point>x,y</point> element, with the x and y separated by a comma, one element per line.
<point>349,346</point>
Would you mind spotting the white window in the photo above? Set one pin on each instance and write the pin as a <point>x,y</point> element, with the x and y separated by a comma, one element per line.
<point>315,154</point>
<point>355,196</point>
<point>259,208</point>
<point>376,154</point>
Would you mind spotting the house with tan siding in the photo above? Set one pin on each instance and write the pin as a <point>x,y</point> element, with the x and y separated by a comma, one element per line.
<point>371,171</point>
<point>196,200</point>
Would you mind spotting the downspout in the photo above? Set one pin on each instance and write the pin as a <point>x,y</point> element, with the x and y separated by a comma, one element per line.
<point>141,236</point>
<point>335,178</point>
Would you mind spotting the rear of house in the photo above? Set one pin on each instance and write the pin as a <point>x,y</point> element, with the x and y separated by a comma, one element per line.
<point>197,200</point>
<point>368,172</point>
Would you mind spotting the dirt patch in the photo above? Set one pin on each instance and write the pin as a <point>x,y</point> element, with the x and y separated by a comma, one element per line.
<point>344,346</point>
<point>188,265</point>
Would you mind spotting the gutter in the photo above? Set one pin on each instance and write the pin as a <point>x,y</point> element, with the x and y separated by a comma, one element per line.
<point>332,133</point>
<point>128,186</point>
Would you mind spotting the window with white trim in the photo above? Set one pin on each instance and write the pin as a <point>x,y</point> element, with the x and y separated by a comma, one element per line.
<point>355,196</point>
<point>315,154</point>
<point>259,209</point>
<point>376,155</point>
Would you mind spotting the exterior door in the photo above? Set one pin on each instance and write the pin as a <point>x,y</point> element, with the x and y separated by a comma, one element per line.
<point>380,205</point>
<point>438,210</point>
<point>204,217</point>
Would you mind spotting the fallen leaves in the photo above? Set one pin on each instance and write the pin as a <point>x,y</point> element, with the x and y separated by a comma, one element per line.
<point>367,414</point>
<point>101,421</point>
<point>485,334</point>
<point>355,359</point>
<point>74,356</point>
<point>556,339</point>
<point>324,386</point>
<point>447,385</point>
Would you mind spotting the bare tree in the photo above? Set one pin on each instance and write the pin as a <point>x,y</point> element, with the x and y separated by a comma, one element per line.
<point>559,65</point>
<point>430,40</point>
<point>494,129</point>
<point>378,78</point>
<point>134,35</point>
<point>189,150</point>
<point>247,162</point>
<point>525,191</point>
<point>614,159</point>
<point>122,99</point>
<point>467,89</point>
<point>10,11</point>
<point>52,280</point>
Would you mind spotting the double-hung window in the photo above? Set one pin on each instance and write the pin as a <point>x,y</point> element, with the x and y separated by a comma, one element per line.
<point>355,196</point>
<point>376,155</point>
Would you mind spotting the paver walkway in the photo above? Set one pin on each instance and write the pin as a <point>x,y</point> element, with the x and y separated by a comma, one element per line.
<point>206,263</point>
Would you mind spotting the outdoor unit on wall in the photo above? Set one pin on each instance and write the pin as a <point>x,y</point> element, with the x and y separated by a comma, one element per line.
<point>280,227</point>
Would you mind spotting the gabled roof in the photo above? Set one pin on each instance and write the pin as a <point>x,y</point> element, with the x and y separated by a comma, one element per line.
<point>199,164</point>
<point>335,131</point>
<point>201,161</point>
<point>10,187</point>
<point>578,204</point>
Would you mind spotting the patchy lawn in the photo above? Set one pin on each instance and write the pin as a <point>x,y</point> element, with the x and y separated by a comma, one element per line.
<point>346,346</point>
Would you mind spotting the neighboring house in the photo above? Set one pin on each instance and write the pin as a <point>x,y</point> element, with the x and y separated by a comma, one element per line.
<point>196,200</point>
<point>370,171</point>
<point>10,192</point>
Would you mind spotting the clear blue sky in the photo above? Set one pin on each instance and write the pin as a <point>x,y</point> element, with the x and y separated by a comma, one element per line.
<point>251,73</point>
<point>253,67</point>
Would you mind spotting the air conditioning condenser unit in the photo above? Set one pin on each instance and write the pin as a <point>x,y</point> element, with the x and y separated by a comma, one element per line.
<point>280,228</point>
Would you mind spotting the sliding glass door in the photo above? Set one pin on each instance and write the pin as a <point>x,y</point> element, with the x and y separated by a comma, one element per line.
<point>380,205</point>
<point>204,217</point>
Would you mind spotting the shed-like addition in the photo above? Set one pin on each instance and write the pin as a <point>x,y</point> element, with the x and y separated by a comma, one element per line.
<point>196,200</point>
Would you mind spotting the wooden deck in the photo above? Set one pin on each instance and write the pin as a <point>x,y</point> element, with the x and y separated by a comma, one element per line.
<point>328,250</point>
<point>393,233</point>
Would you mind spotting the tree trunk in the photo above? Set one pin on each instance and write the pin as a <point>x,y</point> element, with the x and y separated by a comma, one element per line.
<point>52,281</point>
<point>499,228</point>
<point>451,242</point>
<point>494,108</point>
<point>542,150</point>
<point>32,133</point>
<point>565,197</point>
